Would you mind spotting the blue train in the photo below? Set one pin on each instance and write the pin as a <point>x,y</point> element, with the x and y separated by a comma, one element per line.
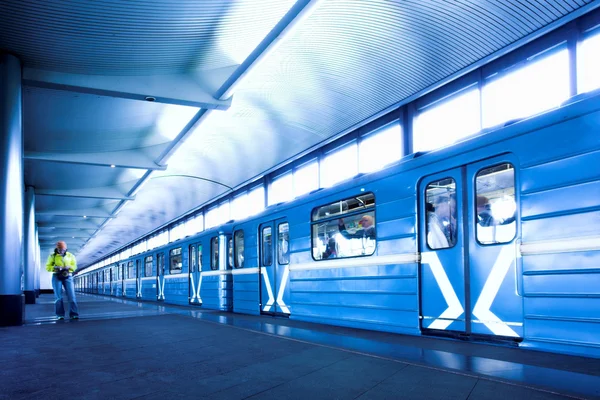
<point>494,238</point>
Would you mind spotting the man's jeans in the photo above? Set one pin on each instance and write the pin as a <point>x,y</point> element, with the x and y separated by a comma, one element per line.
<point>59,308</point>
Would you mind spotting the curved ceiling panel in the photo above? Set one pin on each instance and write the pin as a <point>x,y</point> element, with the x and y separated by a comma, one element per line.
<point>115,37</point>
<point>63,121</point>
<point>353,58</point>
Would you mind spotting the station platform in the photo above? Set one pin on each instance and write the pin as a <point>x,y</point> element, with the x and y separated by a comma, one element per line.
<point>124,349</point>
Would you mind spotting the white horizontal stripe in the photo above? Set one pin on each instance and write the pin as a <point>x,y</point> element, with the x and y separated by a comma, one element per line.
<point>147,278</point>
<point>406,258</point>
<point>583,243</point>
<point>175,276</point>
<point>245,271</point>
<point>214,273</point>
<point>505,323</point>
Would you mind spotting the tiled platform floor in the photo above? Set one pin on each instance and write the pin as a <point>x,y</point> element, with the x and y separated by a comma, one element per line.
<point>129,350</point>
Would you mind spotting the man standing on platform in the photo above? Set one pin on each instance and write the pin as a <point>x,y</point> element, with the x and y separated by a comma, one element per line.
<point>62,264</point>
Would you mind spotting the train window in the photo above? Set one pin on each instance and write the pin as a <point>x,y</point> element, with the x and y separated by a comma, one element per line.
<point>239,249</point>
<point>588,63</point>
<point>267,248</point>
<point>175,261</point>
<point>200,258</point>
<point>345,229</point>
<point>138,270</point>
<point>160,264</point>
<point>440,205</point>
<point>148,266</point>
<point>495,204</point>
<point>230,253</point>
<point>130,271</point>
<point>214,259</point>
<point>339,208</point>
<point>542,83</point>
<point>283,243</point>
<point>192,258</point>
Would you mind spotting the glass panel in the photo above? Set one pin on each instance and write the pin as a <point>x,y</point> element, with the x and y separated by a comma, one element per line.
<point>282,189</point>
<point>137,271</point>
<point>267,249</point>
<point>130,270</point>
<point>200,258</point>
<point>192,258</point>
<point>283,243</point>
<point>440,198</point>
<point>380,148</point>
<point>353,204</point>
<point>306,178</point>
<point>540,85</point>
<point>160,264</point>
<point>148,266</point>
<point>495,203</point>
<point>239,249</point>
<point>256,200</point>
<point>447,122</point>
<point>239,207</point>
<point>230,253</point>
<point>175,261</point>
<point>212,218</point>
<point>351,236</point>
<point>214,260</point>
<point>339,165</point>
<point>588,64</point>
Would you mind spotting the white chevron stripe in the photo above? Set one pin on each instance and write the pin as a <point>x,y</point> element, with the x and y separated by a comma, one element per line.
<point>489,292</point>
<point>282,285</point>
<point>454,309</point>
<point>269,291</point>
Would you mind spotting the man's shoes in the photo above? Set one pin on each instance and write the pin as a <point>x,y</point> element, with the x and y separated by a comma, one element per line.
<point>59,318</point>
<point>75,317</point>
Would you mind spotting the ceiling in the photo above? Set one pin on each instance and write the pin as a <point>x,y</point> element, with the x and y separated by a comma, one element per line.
<point>238,87</point>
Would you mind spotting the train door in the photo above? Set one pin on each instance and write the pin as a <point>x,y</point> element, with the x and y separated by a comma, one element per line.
<point>160,276</point>
<point>469,283</point>
<point>123,276</point>
<point>195,273</point>
<point>274,267</point>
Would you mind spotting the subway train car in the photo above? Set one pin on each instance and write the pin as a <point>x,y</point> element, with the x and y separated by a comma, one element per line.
<point>495,238</point>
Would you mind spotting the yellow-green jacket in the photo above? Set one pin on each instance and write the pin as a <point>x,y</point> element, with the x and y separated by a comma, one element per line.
<point>68,260</point>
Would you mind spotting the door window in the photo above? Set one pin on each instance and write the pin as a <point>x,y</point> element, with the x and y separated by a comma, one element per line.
<point>267,247</point>
<point>192,258</point>
<point>214,259</point>
<point>283,243</point>
<point>239,249</point>
<point>148,266</point>
<point>440,206</point>
<point>495,204</point>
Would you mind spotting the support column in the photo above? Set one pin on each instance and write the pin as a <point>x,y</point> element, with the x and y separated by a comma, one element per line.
<point>12,304</point>
<point>30,246</point>
<point>38,263</point>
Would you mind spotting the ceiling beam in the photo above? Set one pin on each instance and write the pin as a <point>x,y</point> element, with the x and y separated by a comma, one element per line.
<point>87,212</point>
<point>182,89</point>
<point>85,224</point>
<point>107,192</point>
<point>134,159</point>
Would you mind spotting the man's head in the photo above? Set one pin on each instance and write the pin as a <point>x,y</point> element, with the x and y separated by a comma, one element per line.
<point>482,203</point>
<point>366,221</point>
<point>61,247</point>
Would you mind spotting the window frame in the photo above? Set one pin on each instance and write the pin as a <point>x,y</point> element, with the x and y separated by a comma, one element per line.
<point>236,248</point>
<point>456,188</point>
<point>214,253</point>
<point>359,211</point>
<point>151,257</point>
<point>175,271</point>
<point>476,214</point>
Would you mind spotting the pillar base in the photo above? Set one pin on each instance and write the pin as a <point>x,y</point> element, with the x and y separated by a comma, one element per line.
<point>12,309</point>
<point>29,296</point>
